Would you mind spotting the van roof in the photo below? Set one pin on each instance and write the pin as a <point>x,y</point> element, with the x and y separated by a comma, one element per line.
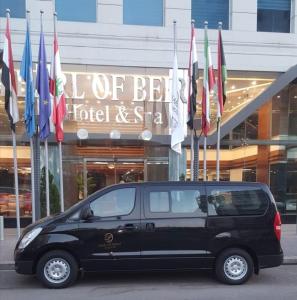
<point>222,183</point>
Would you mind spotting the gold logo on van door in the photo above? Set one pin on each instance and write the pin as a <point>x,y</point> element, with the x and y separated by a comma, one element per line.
<point>108,238</point>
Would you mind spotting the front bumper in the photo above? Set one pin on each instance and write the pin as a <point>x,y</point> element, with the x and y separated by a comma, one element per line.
<point>24,267</point>
<point>23,264</point>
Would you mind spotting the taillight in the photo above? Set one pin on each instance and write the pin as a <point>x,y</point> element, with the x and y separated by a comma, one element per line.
<point>277,224</point>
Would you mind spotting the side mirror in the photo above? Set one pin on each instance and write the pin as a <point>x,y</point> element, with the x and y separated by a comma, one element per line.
<point>86,213</point>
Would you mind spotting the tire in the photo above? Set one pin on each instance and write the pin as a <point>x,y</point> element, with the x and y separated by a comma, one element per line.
<point>234,266</point>
<point>57,269</point>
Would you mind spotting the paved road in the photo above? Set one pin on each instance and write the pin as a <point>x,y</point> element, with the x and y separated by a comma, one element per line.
<point>278,283</point>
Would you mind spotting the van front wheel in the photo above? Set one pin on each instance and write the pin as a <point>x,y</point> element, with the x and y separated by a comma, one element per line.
<point>57,269</point>
<point>234,266</point>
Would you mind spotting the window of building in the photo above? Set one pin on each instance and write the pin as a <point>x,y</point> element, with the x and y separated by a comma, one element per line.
<point>17,8</point>
<point>143,12</point>
<point>236,201</point>
<point>274,15</point>
<point>212,11</point>
<point>77,10</point>
<point>115,203</point>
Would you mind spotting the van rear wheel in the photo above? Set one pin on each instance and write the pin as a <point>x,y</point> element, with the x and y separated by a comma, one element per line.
<point>234,266</point>
<point>57,269</point>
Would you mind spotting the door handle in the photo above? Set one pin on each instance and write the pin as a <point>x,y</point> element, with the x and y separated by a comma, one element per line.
<point>127,227</point>
<point>150,226</point>
<point>130,226</point>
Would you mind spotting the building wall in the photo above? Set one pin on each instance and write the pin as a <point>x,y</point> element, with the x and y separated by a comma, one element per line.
<point>109,42</point>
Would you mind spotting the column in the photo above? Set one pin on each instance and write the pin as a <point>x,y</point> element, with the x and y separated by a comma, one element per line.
<point>264,129</point>
<point>243,15</point>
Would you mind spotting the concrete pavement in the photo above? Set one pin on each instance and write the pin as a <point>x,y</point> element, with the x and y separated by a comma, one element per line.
<point>271,284</point>
<point>288,240</point>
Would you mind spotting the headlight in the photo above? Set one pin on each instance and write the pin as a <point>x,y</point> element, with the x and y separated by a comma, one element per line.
<point>29,237</point>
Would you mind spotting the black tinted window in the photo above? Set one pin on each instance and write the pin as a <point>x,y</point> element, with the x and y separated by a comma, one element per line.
<point>115,203</point>
<point>159,202</point>
<point>181,202</point>
<point>234,201</point>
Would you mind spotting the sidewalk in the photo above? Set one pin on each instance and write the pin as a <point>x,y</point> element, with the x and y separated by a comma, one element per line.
<point>289,245</point>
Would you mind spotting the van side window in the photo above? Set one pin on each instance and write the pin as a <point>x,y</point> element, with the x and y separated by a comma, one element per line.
<point>115,203</point>
<point>159,202</point>
<point>185,201</point>
<point>232,201</point>
<point>174,203</point>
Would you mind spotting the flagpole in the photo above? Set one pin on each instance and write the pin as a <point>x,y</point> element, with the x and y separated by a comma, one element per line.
<point>32,156</point>
<point>32,181</point>
<point>15,165</point>
<point>218,125</point>
<point>60,143</point>
<point>174,50</point>
<point>46,154</point>
<point>218,148</point>
<point>204,158</point>
<point>192,155</point>
<point>47,178</point>
<point>206,103</point>
<point>192,131</point>
<point>16,184</point>
<point>196,157</point>
<point>61,178</point>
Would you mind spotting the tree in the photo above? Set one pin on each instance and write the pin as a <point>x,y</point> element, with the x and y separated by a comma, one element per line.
<point>53,192</point>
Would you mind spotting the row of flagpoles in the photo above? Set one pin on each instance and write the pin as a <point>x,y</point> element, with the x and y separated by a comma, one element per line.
<point>52,106</point>
<point>211,86</point>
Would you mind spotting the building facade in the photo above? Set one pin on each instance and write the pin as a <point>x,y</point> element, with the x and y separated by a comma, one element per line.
<point>116,57</point>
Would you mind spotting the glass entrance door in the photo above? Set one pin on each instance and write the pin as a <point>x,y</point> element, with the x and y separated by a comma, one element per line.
<point>102,172</point>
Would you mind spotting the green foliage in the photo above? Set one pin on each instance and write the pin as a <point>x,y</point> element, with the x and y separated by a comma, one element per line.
<point>53,192</point>
<point>80,185</point>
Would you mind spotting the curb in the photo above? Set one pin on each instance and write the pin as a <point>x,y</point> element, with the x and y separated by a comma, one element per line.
<point>9,265</point>
<point>292,260</point>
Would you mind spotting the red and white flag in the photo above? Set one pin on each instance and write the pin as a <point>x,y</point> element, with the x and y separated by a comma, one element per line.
<point>57,92</point>
<point>9,81</point>
<point>208,85</point>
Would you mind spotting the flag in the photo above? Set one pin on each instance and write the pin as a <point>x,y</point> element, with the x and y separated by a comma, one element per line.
<point>27,75</point>
<point>193,77</point>
<point>42,86</point>
<point>208,85</point>
<point>8,80</point>
<point>222,77</point>
<point>177,129</point>
<point>57,92</point>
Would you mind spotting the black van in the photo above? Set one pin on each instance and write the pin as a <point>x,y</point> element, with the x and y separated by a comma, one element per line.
<point>233,228</point>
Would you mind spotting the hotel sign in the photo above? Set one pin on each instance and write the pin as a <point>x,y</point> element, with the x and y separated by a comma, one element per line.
<point>124,100</point>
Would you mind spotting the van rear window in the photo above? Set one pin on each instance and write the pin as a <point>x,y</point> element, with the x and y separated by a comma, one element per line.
<point>232,201</point>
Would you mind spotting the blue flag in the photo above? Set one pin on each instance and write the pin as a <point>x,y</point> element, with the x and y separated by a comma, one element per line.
<point>42,86</point>
<point>27,75</point>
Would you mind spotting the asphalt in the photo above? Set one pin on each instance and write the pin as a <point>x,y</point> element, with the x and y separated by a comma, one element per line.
<point>288,241</point>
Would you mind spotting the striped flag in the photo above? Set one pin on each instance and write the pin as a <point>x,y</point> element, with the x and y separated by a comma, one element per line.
<point>9,81</point>
<point>42,86</point>
<point>57,92</point>
<point>208,85</point>
<point>222,77</point>
<point>193,77</point>
<point>27,75</point>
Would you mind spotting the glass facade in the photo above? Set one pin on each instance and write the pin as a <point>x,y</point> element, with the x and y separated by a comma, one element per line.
<point>143,12</point>
<point>212,11</point>
<point>17,8</point>
<point>130,100</point>
<point>76,10</point>
<point>274,15</point>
